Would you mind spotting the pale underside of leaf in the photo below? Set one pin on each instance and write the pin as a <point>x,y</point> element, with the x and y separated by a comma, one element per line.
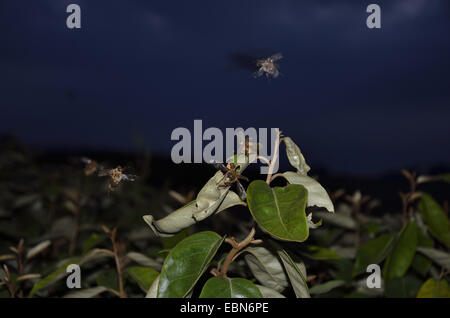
<point>143,260</point>
<point>38,249</point>
<point>297,275</point>
<point>295,156</point>
<point>266,267</point>
<point>317,195</point>
<point>439,257</point>
<point>153,290</point>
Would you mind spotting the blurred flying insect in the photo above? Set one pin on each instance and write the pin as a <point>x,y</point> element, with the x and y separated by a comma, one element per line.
<point>268,67</point>
<point>231,176</point>
<point>116,176</point>
<point>91,166</point>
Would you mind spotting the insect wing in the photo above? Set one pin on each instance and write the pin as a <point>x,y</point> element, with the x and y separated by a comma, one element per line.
<point>128,177</point>
<point>85,160</point>
<point>104,173</point>
<point>276,57</point>
<point>219,166</point>
<point>258,73</point>
<point>241,191</point>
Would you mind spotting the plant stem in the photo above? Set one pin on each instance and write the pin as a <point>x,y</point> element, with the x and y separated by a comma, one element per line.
<point>122,293</point>
<point>237,247</point>
<point>11,287</point>
<point>275,157</point>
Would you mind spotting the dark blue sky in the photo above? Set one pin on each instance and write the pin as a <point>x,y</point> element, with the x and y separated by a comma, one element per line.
<point>354,99</point>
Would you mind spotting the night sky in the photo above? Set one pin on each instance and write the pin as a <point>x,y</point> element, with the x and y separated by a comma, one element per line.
<point>356,100</point>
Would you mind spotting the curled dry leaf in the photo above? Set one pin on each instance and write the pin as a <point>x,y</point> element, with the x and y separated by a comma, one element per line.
<point>295,157</point>
<point>211,199</point>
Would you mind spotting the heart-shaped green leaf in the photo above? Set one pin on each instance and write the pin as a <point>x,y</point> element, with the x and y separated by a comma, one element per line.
<point>403,252</point>
<point>186,262</point>
<point>435,218</point>
<point>224,287</point>
<point>279,211</point>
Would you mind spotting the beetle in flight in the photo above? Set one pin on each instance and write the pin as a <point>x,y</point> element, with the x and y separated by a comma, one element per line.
<point>116,175</point>
<point>268,67</point>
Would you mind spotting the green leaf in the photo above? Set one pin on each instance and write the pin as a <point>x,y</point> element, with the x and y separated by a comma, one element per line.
<point>317,195</point>
<point>52,277</point>
<point>403,252</point>
<point>212,198</point>
<point>144,276</point>
<point>437,256</point>
<point>186,262</point>
<point>402,287</point>
<point>435,219</point>
<point>295,156</point>
<point>321,253</point>
<point>279,211</point>
<point>434,289</point>
<point>92,241</point>
<point>60,272</point>
<point>86,292</point>
<point>143,260</point>
<point>170,242</point>
<point>108,279</point>
<point>326,287</point>
<point>266,267</point>
<point>373,252</point>
<point>420,263</point>
<point>224,287</point>
<point>296,272</point>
